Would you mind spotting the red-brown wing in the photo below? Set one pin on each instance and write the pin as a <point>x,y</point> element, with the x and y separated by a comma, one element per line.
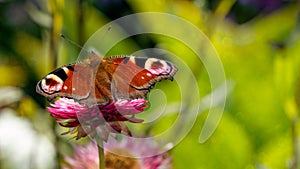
<point>133,77</point>
<point>64,82</point>
<point>73,81</point>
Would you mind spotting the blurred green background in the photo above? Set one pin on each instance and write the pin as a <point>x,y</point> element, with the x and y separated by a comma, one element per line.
<point>257,41</point>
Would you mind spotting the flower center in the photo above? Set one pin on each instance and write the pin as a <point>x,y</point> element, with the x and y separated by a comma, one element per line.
<point>113,161</point>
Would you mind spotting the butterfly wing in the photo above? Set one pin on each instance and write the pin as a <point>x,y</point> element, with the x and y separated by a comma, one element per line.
<point>133,77</point>
<point>72,81</point>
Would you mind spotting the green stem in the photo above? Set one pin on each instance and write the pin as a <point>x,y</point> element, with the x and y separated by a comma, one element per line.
<point>80,23</point>
<point>101,155</point>
<point>294,144</point>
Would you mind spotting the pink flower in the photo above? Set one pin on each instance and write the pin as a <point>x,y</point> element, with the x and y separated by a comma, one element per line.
<point>83,120</point>
<point>126,153</point>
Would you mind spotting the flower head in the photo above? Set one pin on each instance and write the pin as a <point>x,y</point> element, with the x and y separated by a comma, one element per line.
<point>83,120</point>
<point>126,153</point>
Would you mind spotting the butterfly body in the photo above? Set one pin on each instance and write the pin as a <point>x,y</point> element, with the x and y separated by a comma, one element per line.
<point>102,80</point>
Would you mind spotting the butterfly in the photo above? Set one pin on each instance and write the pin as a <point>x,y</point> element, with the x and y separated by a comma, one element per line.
<point>100,81</point>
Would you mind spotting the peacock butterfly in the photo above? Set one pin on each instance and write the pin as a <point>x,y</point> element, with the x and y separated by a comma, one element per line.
<point>98,80</point>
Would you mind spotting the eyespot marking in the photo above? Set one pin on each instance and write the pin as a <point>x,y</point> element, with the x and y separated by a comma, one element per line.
<point>51,84</point>
<point>157,67</point>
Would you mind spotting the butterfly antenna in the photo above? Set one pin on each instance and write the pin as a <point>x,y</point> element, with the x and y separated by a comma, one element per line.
<point>74,43</point>
<point>81,47</point>
<point>102,37</point>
